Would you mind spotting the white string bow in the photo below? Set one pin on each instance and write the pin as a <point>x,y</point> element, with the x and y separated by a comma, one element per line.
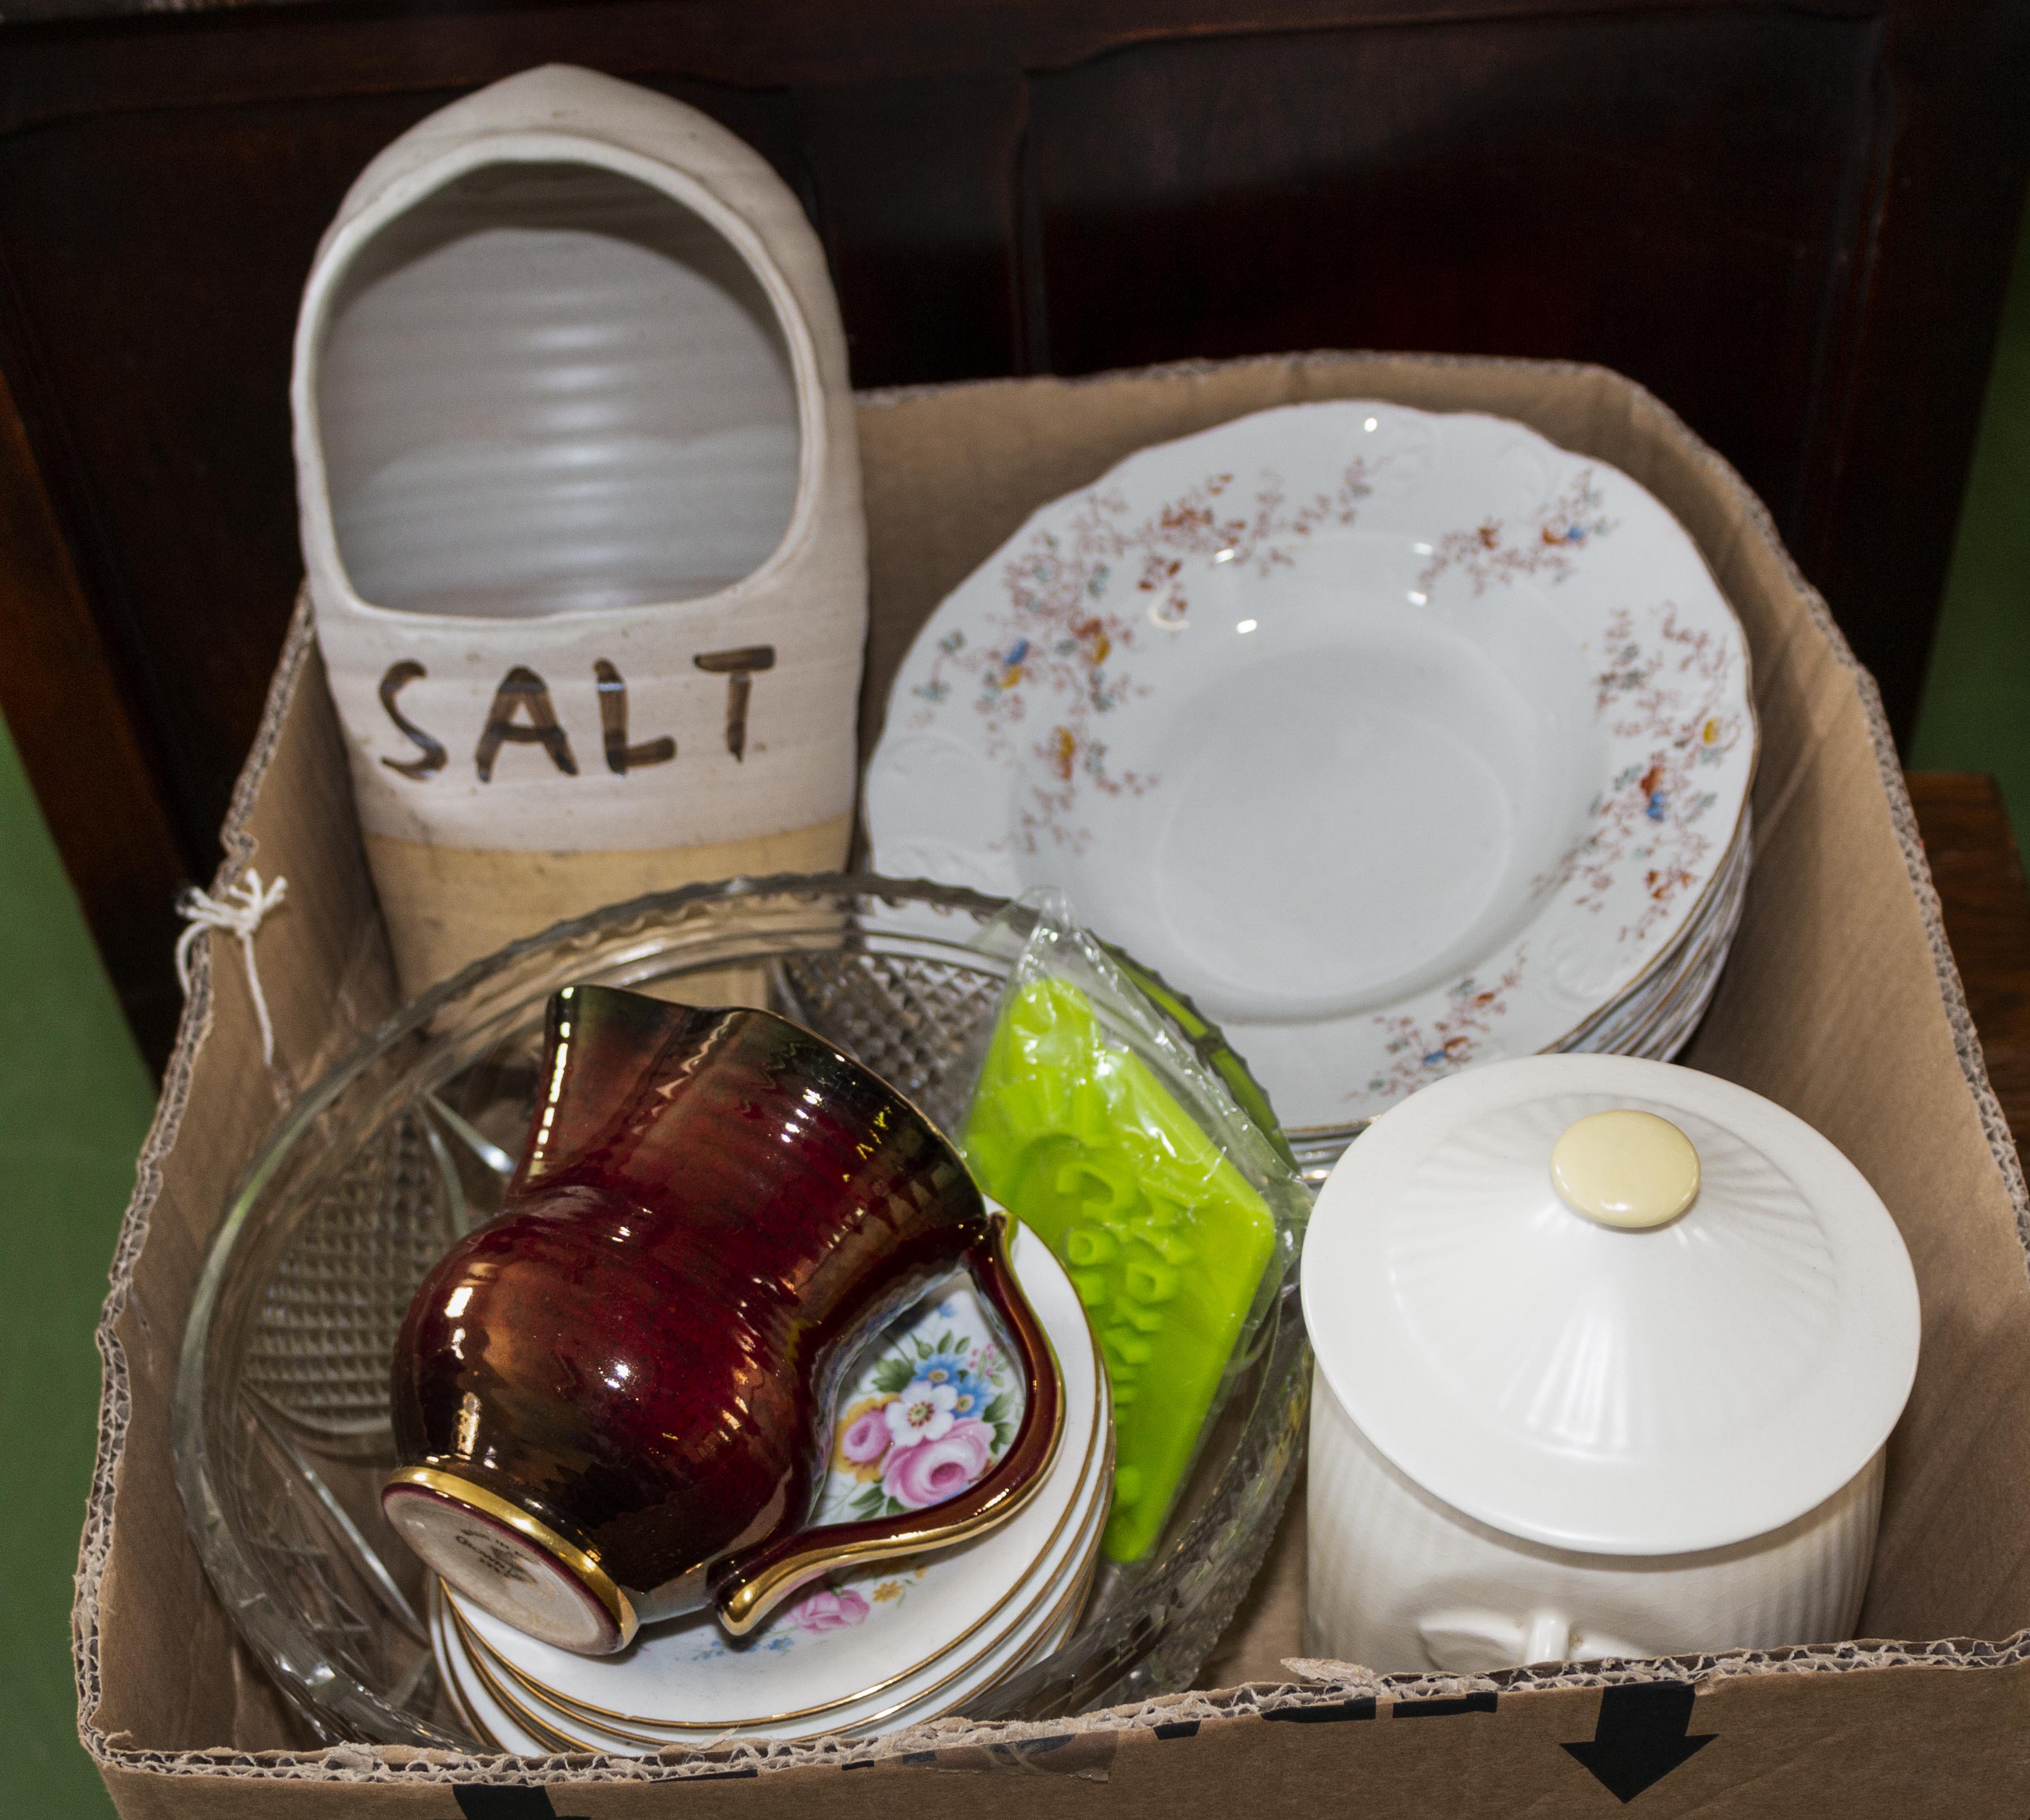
<point>242,919</point>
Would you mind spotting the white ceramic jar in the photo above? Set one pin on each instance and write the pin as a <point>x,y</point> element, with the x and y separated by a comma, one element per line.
<point>581,512</point>
<point>1595,1385</point>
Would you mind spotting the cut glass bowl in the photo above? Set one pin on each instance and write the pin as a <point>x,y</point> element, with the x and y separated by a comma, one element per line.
<point>281,1418</point>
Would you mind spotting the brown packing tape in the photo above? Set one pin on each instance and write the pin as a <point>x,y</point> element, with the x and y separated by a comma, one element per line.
<point>1840,1001</point>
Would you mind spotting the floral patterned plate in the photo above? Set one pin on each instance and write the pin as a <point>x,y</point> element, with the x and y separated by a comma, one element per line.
<point>867,1629</point>
<point>498,1706</point>
<point>1657,1017</point>
<point>936,1688</point>
<point>1399,741</point>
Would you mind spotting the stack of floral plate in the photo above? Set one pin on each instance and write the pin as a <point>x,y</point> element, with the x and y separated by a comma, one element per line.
<point>928,1408</point>
<point>1400,742</point>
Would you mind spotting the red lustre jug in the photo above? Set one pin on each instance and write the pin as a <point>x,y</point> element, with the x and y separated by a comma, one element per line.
<point>613,1404</point>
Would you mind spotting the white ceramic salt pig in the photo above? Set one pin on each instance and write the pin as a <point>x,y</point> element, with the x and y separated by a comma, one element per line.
<point>1608,1352</point>
<point>581,512</point>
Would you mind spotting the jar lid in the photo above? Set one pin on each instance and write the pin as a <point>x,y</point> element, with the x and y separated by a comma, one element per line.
<point>1672,1327</point>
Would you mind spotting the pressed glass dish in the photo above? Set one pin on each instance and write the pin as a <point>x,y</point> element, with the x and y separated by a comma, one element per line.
<point>280,1424</point>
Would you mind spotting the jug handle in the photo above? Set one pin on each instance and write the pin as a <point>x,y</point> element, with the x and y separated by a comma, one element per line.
<point>749,1586</point>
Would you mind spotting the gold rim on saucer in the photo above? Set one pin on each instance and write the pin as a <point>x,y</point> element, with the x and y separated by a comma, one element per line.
<point>1056,1628</point>
<point>517,1703</point>
<point>597,1714</point>
<point>441,1650</point>
<point>1083,1574</point>
<point>604,1719</point>
<point>559,1742</point>
<point>1079,1586</point>
<point>516,1700</point>
<point>434,1618</point>
<point>1044,1642</point>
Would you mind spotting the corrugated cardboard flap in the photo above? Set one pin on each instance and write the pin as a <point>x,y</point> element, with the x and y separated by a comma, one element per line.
<point>1840,1001</point>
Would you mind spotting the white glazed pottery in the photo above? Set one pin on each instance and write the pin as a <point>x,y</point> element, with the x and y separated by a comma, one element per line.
<point>1401,742</point>
<point>884,1645</point>
<point>939,1687</point>
<point>1050,1608</point>
<point>1540,1432</point>
<point>581,512</point>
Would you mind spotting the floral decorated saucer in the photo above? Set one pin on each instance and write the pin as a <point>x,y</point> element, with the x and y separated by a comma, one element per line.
<point>1399,741</point>
<point>503,1708</point>
<point>930,1408</point>
<point>937,1687</point>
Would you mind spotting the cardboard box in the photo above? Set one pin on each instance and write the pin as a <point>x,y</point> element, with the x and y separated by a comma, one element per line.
<point>1840,1001</point>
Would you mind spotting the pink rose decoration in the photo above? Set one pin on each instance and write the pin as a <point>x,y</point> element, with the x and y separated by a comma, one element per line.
<point>867,1439</point>
<point>930,1471</point>
<point>828,1611</point>
<point>861,1439</point>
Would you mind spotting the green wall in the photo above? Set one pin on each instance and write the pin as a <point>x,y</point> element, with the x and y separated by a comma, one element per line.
<point>1975,712</point>
<point>76,1102</point>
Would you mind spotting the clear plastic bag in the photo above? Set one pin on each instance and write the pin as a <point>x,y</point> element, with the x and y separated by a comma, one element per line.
<point>1175,1207</point>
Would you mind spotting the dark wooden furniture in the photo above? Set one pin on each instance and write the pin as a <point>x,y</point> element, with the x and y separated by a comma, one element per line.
<point>1986,904</point>
<point>1794,222</point>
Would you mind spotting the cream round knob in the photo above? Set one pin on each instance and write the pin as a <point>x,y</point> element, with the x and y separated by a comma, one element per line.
<point>1628,1169</point>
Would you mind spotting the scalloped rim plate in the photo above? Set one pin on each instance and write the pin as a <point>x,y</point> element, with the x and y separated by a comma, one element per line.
<point>1399,741</point>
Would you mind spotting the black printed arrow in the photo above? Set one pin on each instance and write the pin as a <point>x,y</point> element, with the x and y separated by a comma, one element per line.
<point>1644,1734</point>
